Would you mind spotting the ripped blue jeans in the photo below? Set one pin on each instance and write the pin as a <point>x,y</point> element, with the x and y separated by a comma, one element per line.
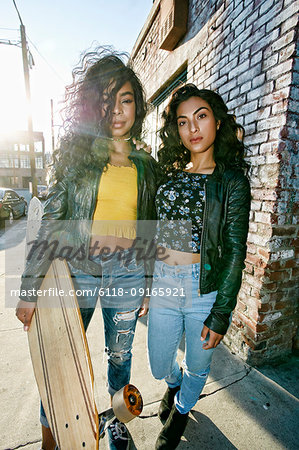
<point>120,289</point>
<point>175,311</point>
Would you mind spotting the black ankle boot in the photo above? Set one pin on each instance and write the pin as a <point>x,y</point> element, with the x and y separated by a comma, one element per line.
<point>171,434</point>
<point>166,403</point>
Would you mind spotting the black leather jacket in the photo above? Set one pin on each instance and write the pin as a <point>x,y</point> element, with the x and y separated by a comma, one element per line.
<point>67,219</point>
<point>223,246</point>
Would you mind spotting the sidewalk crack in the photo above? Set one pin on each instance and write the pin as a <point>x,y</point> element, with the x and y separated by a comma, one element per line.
<point>248,370</point>
<point>23,445</point>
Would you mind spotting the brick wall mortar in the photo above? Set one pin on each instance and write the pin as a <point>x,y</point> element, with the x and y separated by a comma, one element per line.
<point>249,58</point>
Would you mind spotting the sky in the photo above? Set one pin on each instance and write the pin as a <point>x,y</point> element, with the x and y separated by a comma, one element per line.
<point>58,31</point>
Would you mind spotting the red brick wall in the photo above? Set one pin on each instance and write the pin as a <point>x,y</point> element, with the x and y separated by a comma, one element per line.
<point>246,51</point>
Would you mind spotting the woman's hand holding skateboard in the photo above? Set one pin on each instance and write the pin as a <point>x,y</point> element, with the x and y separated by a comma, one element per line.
<point>24,313</point>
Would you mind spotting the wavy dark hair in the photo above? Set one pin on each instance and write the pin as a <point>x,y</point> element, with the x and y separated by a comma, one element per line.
<point>229,147</point>
<point>80,146</point>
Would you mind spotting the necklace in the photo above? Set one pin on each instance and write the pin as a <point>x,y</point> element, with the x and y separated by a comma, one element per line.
<point>117,165</point>
<point>114,139</point>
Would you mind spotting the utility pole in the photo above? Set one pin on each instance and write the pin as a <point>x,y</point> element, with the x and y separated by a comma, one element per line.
<point>29,113</point>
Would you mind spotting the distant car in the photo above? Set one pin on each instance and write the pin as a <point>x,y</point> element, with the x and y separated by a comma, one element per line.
<point>42,191</point>
<point>12,205</point>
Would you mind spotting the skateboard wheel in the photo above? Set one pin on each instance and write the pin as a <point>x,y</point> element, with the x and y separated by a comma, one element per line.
<point>127,403</point>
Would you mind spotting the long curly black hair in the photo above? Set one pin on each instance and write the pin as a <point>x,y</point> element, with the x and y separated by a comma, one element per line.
<point>80,146</point>
<point>229,147</point>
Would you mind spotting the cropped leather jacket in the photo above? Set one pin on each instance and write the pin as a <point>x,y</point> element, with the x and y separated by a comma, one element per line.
<point>223,246</point>
<point>66,223</point>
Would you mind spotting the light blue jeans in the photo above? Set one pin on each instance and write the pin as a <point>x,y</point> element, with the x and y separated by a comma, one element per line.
<point>122,278</point>
<point>176,309</point>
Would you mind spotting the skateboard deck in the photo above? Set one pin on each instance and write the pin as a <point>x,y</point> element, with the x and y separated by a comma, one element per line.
<point>60,355</point>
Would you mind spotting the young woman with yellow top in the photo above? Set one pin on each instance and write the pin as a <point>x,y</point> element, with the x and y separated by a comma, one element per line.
<point>103,187</point>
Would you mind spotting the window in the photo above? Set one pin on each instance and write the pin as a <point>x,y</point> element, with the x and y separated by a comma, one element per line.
<point>6,161</point>
<point>24,162</point>
<point>39,162</point>
<point>153,120</point>
<point>180,79</point>
<point>25,182</point>
<point>38,146</point>
<point>14,182</point>
<point>10,195</point>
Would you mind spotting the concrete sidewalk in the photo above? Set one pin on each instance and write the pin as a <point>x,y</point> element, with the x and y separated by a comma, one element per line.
<point>241,407</point>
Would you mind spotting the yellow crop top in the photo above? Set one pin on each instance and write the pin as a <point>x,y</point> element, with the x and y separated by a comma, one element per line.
<point>116,207</point>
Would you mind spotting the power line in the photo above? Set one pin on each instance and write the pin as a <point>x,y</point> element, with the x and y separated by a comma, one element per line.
<point>9,29</point>
<point>10,42</point>
<point>51,67</point>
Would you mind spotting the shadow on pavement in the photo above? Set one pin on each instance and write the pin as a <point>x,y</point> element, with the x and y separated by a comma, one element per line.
<point>259,401</point>
<point>285,373</point>
<point>207,434</point>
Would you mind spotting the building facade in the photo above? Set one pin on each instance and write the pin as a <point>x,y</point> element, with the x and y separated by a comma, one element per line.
<point>15,168</point>
<point>247,51</point>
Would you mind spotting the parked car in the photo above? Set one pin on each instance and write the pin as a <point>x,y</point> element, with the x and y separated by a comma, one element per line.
<point>12,205</point>
<point>42,191</point>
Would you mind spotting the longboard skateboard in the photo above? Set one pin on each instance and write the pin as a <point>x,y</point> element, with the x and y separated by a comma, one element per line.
<point>60,355</point>
<point>61,360</point>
